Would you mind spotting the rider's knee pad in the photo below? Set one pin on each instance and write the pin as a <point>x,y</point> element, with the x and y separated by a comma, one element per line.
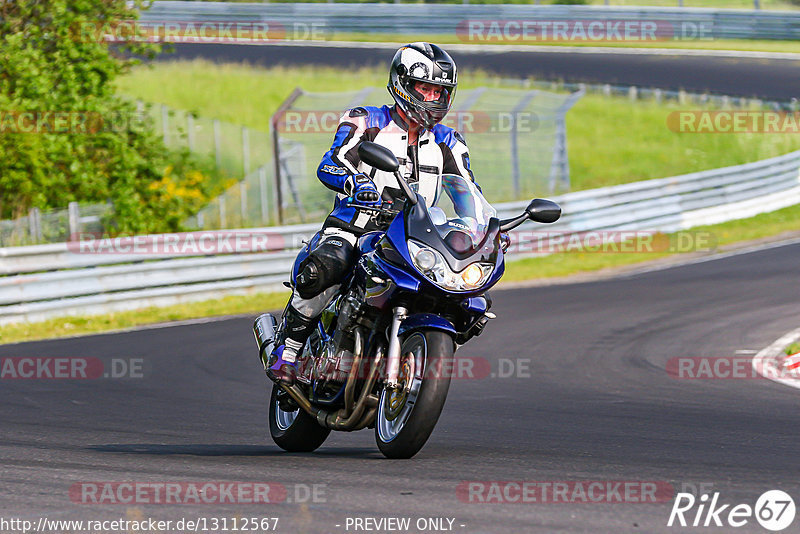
<point>325,267</point>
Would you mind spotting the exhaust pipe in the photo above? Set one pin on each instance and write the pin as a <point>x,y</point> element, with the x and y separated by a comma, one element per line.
<point>265,328</point>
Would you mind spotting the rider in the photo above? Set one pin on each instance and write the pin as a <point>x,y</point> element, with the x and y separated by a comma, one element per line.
<point>422,81</point>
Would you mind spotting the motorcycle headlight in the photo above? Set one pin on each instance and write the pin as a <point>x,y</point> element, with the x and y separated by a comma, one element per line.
<point>435,268</point>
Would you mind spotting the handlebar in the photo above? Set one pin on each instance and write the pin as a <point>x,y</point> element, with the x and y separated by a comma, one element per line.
<point>384,210</point>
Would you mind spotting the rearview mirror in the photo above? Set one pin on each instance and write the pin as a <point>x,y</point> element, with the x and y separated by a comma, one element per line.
<point>543,211</point>
<point>377,156</point>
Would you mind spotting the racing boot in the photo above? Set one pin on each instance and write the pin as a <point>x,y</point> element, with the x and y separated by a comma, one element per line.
<point>292,337</point>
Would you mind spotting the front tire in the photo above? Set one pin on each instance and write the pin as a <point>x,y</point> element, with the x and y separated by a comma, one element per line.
<point>293,431</point>
<point>405,421</point>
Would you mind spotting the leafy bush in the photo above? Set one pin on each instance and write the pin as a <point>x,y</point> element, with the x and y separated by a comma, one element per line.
<point>64,133</point>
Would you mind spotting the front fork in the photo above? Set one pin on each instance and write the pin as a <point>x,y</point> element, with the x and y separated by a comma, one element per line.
<point>393,356</point>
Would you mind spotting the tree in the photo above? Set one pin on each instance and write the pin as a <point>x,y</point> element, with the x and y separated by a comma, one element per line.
<point>64,133</point>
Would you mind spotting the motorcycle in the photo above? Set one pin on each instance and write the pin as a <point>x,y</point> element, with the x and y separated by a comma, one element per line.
<point>382,354</point>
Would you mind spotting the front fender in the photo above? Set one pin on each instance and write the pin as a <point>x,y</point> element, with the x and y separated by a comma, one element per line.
<point>426,321</point>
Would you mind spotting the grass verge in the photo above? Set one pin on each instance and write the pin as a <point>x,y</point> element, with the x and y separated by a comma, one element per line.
<point>556,265</point>
<point>612,140</point>
<point>90,324</point>
<point>794,348</point>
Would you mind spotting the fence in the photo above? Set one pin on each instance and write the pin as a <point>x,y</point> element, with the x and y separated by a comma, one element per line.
<point>124,281</point>
<point>517,141</point>
<point>328,19</point>
<point>51,226</point>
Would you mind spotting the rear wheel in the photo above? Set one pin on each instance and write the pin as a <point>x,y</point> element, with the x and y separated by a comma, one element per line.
<point>406,419</point>
<point>295,430</point>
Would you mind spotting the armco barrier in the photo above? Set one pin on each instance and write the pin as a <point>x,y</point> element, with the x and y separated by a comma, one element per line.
<point>330,19</point>
<point>52,280</point>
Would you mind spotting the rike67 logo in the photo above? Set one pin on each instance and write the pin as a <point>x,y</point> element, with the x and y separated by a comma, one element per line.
<point>774,510</point>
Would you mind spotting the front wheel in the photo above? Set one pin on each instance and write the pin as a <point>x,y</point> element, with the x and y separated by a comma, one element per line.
<point>406,419</point>
<point>293,431</point>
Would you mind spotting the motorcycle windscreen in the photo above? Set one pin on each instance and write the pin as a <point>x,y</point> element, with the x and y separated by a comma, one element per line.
<point>460,213</point>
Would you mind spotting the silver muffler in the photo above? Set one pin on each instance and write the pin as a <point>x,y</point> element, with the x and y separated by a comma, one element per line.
<point>265,329</point>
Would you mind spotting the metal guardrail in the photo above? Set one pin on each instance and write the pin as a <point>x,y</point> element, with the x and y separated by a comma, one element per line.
<point>52,280</point>
<point>329,19</point>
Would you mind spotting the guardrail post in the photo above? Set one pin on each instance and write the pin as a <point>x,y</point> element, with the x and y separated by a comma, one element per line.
<point>74,217</point>
<point>262,183</point>
<point>245,150</point>
<point>243,201</point>
<point>35,224</point>
<point>222,216</point>
<point>217,143</point>
<point>246,169</point>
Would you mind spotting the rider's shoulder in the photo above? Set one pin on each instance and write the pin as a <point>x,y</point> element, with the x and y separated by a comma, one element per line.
<point>447,135</point>
<point>373,116</point>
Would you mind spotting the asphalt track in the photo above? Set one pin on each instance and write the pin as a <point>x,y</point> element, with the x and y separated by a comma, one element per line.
<point>597,405</point>
<point>767,78</point>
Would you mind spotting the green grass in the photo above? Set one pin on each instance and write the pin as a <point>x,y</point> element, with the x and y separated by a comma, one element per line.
<point>611,140</point>
<point>88,324</point>
<point>556,265</point>
<point>794,348</point>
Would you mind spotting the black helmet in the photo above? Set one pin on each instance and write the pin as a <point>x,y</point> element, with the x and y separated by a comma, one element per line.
<point>422,62</point>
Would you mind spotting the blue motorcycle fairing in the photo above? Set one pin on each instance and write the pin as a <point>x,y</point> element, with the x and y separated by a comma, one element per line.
<point>475,304</point>
<point>368,241</point>
<point>403,279</point>
<point>426,321</point>
<point>396,234</point>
